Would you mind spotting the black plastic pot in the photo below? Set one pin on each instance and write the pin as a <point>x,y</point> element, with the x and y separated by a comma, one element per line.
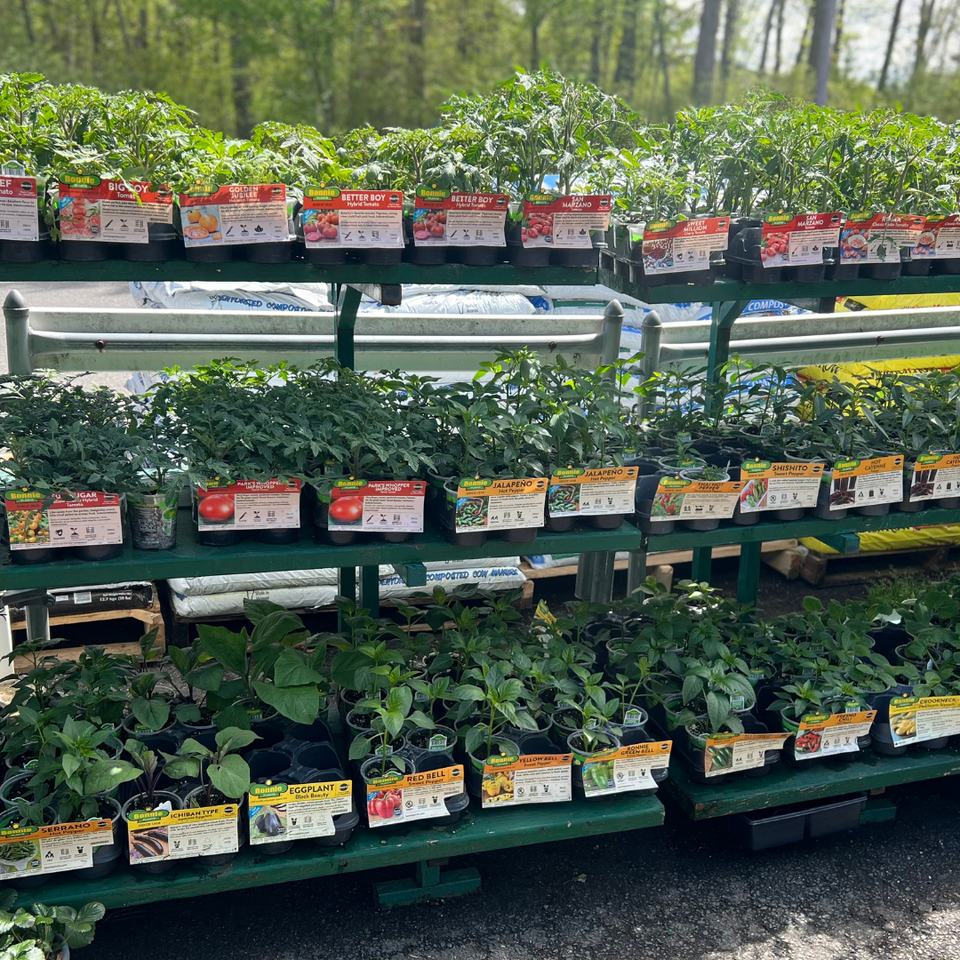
<point>280,252</point>
<point>150,528</point>
<point>219,859</point>
<point>881,271</point>
<point>106,856</point>
<point>950,265</point>
<point>325,256</point>
<point>521,256</point>
<point>444,508</point>
<point>100,551</point>
<point>218,254</point>
<point>921,267</point>
<point>520,535</point>
<point>840,269</point>
<point>164,244</point>
<point>84,251</point>
<point>476,256</point>
<point>587,257</point>
<point>380,256</point>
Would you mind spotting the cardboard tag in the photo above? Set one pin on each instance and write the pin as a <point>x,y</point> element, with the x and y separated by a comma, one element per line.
<point>280,811</point>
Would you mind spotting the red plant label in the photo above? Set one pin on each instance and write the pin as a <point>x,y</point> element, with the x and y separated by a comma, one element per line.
<point>88,518</point>
<point>794,241</point>
<point>377,506</point>
<point>567,222</point>
<point>681,246</point>
<point>112,211</point>
<point>19,207</point>
<point>249,505</point>
<point>445,219</point>
<point>232,214</point>
<point>878,237</point>
<point>352,218</point>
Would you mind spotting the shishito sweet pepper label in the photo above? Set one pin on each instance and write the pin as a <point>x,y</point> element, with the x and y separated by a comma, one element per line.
<point>395,798</point>
<point>916,719</point>
<point>281,811</point>
<point>566,222</point>
<point>29,851</point>
<point>19,206</point>
<point>114,211</point>
<point>445,219</point>
<point>539,778</point>
<point>484,504</point>
<point>155,835</point>
<point>357,219</point>
<point>795,241</point>
<point>249,505</point>
<point>376,506</point>
<point>235,213</point>
<point>823,735</point>
<point>625,769</point>
<point>779,486</point>
<point>88,518</point>
<point>591,492</point>
<point>731,753</point>
<point>869,237</point>
<point>680,499</point>
<point>936,476</point>
<point>679,246</point>
<point>866,483</point>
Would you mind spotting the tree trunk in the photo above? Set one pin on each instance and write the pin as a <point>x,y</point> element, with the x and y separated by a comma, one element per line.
<point>626,71</point>
<point>664,61</point>
<point>595,41</point>
<point>804,50</point>
<point>143,27</point>
<point>838,35</point>
<point>825,15</point>
<point>767,27</point>
<point>418,75</point>
<point>776,66</point>
<point>891,40</point>
<point>923,29</point>
<point>123,25</point>
<point>706,50</point>
<point>240,87</point>
<point>729,35</point>
<point>27,22</point>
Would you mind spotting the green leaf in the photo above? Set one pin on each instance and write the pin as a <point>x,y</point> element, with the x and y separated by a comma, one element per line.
<point>187,712</point>
<point>299,704</point>
<point>226,647</point>
<point>475,736</point>
<point>360,747</point>
<point>291,670</point>
<point>274,627</point>
<point>70,763</point>
<point>231,776</point>
<point>233,738</point>
<point>209,678</point>
<point>345,668</point>
<point>152,713</point>
<point>399,700</point>
<point>106,775</point>
<point>186,768</point>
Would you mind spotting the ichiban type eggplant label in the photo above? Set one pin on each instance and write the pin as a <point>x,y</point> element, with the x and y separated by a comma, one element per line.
<point>236,213</point>
<point>111,210</point>
<point>280,811</point>
<point>19,208</point>
<point>566,222</point>
<point>384,506</point>
<point>591,493</point>
<point>731,753</point>
<point>395,798</point>
<point>680,499</point>
<point>822,735</point>
<point>484,504</point>
<point>676,246</point>
<point>156,835</point>
<point>36,521</point>
<point>249,505</point>
<point>866,483</point>
<point>352,218</point>
<point>537,778</point>
<point>445,219</point>
<point>625,769</point>
<point>936,476</point>
<point>779,486</point>
<point>916,719</point>
<point>30,851</point>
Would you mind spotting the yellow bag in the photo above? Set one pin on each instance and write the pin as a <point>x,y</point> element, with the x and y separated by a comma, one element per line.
<point>874,540</point>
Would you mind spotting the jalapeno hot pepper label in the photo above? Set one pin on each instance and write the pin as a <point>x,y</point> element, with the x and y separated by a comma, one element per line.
<point>866,483</point>
<point>500,504</point>
<point>596,492</point>
<point>280,811</point>
<point>779,486</point>
<point>936,476</point>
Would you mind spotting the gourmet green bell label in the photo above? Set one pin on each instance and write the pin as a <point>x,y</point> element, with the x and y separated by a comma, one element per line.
<point>484,504</point>
<point>936,476</point>
<point>779,486</point>
<point>30,851</point>
<point>625,769</point>
<point>680,499</point>
<point>604,491</point>
<point>825,735</point>
<point>866,483</point>
<point>731,753</point>
<point>281,811</point>
<point>916,719</point>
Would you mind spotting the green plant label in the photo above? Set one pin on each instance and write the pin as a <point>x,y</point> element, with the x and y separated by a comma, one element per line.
<point>682,246</point>
<point>592,492</point>
<point>112,211</point>
<point>90,518</point>
<point>437,743</point>
<point>779,486</point>
<point>157,835</point>
<point>939,239</point>
<point>500,504</point>
<point>539,778</point>
<point>823,736</point>
<point>249,505</point>
<point>935,477</point>
<point>358,219</point>
<point>793,241</point>
<point>416,796</point>
<point>626,769</point>
<point>31,851</point>
<point>680,499</point>
<point>633,718</point>
<point>444,219</point>
<point>731,753</point>
<point>377,506</point>
<point>235,213</point>
<point>19,208</point>
<point>869,237</point>
<point>567,222</point>
<point>866,483</point>
<point>281,811</point>
<point>916,719</point>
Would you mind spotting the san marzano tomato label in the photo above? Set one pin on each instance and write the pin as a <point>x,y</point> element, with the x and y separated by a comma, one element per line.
<point>248,505</point>
<point>114,211</point>
<point>157,835</point>
<point>352,218</point>
<point>823,735</point>
<point>865,483</point>
<point>731,753</point>
<point>936,476</point>
<point>794,241</point>
<point>235,213</point>
<point>29,851</point>
<point>679,246</point>
<point>566,222</point>
<point>395,798</point>
<point>88,518</point>
<point>19,207</point>
<point>680,499</point>
<point>869,237</point>
<point>445,219</point>
<point>779,486</point>
<point>384,506</point>
<point>602,491</point>
<point>484,504</point>
<point>539,778</point>
<point>296,811</point>
<point>625,769</point>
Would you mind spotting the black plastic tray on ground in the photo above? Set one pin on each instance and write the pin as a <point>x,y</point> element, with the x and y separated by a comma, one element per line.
<point>761,830</point>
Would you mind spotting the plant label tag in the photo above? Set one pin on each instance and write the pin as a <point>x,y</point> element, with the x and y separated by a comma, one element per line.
<point>936,476</point>
<point>822,735</point>
<point>30,851</point>
<point>681,246</point>
<point>680,499</point>
<point>606,491</point>
<point>215,216</point>
<point>111,211</point>
<point>156,835</point>
<point>395,798</point>
<point>795,241</point>
<point>731,753</point>
<point>539,778</point>
<point>445,219</point>
<point>35,522</point>
<point>281,811</point>
<point>19,208</point>
<point>779,486</point>
<point>484,504</point>
<point>625,769</point>
<point>866,483</point>
<point>357,219</point>
<point>916,719</point>
<point>942,235</point>
<point>869,237</point>
<point>568,222</point>
<point>376,506</point>
<point>633,718</point>
<point>249,505</point>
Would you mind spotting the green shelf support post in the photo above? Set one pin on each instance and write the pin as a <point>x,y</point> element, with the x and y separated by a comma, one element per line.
<point>636,569</point>
<point>370,589</point>
<point>347,588</point>
<point>724,316</point>
<point>878,810</point>
<point>430,883</point>
<point>702,562</point>
<point>847,544</point>
<point>343,347</point>
<point>748,582</point>
<point>412,574</point>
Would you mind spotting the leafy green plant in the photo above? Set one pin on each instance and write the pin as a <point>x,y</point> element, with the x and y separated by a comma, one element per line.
<point>39,932</point>
<point>220,771</point>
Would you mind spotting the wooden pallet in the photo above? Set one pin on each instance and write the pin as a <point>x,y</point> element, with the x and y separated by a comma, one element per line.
<point>836,570</point>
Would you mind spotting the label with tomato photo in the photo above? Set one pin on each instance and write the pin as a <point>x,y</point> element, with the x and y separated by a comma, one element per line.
<point>296,811</point>
<point>604,491</point>
<point>731,753</point>
<point>625,769</point>
<point>386,506</point>
<point>680,499</point>
<point>794,241</point>
<point>89,518</point>
<point>822,735</point>
<point>19,206</point>
<point>352,218</point>
<point>235,213</point>
<point>869,237</point>
<point>395,798</point>
<point>249,505</point>
<point>779,486</point>
<point>679,246</point>
<point>935,476</point>
<point>111,211</point>
<point>484,504</point>
<point>445,219</point>
<point>865,483</point>
<point>563,221</point>
<point>539,778</point>
<point>940,239</point>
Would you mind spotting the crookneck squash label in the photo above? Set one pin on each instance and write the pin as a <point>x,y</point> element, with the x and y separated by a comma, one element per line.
<point>155,835</point>
<point>779,486</point>
<point>678,246</point>
<point>352,218</point>
<point>235,213</point>
<point>500,504</point>
<point>866,483</point>
<point>566,222</point>
<point>376,506</point>
<point>509,780</point>
<point>731,753</point>
<point>280,811</point>
<point>89,518</point>
<point>794,241</point>
<point>30,851</point>
<point>248,505</point>
<point>445,219</point>
<point>592,492</point>
<point>936,476</point>
<point>625,769</point>
<point>823,735</point>
<point>395,798</point>
<point>680,499</point>
<point>916,719</point>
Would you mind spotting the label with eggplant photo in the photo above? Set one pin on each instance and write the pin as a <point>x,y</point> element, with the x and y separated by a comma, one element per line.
<point>866,483</point>
<point>779,486</point>
<point>936,476</point>
<point>296,811</point>
<point>156,835</point>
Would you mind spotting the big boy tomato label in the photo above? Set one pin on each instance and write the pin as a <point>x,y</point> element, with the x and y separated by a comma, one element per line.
<point>111,210</point>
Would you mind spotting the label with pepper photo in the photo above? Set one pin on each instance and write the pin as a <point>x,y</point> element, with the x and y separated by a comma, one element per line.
<point>538,778</point>
<point>29,851</point>
<point>395,798</point>
<point>280,811</point>
<point>936,476</point>
<point>591,493</point>
<point>680,499</point>
<point>779,486</point>
<point>500,504</point>
<point>730,753</point>
<point>866,483</point>
<point>625,769</point>
<point>823,735</point>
